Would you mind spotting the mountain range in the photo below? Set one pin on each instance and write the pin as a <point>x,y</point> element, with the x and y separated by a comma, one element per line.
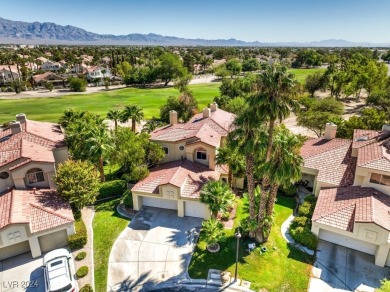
<point>19,32</point>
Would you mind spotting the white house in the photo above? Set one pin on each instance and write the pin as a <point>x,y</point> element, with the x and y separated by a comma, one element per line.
<point>98,72</point>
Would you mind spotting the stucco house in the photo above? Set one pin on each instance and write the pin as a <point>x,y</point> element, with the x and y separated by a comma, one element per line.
<point>352,181</point>
<point>47,77</point>
<point>98,72</point>
<point>189,162</point>
<point>32,217</point>
<point>7,75</point>
<point>52,66</point>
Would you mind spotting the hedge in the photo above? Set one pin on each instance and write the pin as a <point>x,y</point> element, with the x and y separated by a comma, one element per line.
<point>299,221</point>
<point>86,288</point>
<point>79,239</point>
<point>128,199</point>
<point>111,189</point>
<point>81,255</point>
<point>304,236</point>
<point>82,272</point>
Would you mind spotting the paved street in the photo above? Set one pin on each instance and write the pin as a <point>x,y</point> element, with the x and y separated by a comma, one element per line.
<point>21,273</point>
<point>156,247</point>
<point>345,269</point>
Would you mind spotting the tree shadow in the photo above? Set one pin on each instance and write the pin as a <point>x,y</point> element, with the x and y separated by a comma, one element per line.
<point>299,255</point>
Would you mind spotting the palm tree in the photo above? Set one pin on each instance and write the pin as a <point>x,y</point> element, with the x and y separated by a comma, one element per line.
<point>152,125</point>
<point>218,196</point>
<point>275,100</point>
<point>133,112</point>
<point>213,232</point>
<point>99,146</point>
<point>248,137</point>
<point>233,159</point>
<point>284,166</point>
<point>114,115</point>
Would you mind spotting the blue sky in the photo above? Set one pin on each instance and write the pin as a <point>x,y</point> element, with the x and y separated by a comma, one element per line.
<point>248,20</point>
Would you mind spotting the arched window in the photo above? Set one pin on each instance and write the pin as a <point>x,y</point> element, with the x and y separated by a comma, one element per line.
<point>35,175</point>
<point>201,154</point>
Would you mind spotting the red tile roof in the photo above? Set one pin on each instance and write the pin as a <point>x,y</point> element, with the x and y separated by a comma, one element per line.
<point>372,153</point>
<point>42,210</point>
<point>187,175</point>
<point>342,207</point>
<point>208,130</point>
<point>332,159</point>
<point>34,143</point>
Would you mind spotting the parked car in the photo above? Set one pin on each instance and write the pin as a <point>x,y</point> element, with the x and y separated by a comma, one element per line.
<point>59,271</point>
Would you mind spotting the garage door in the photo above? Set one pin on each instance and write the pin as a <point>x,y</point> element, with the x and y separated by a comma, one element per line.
<point>347,241</point>
<point>15,249</point>
<point>194,209</point>
<point>53,240</point>
<point>159,203</point>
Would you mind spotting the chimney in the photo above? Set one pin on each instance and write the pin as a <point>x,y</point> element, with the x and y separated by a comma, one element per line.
<point>15,127</point>
<point>206,112</point>
<point>172,117</point>
<point>385,128</point>
<point>214,106</point>
<point>21,118</point>
<point>330,131</point>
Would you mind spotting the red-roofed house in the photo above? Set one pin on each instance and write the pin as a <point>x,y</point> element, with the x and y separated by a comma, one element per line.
<point>189,162</point>
<point>352,182</point>
<point>31,220</point>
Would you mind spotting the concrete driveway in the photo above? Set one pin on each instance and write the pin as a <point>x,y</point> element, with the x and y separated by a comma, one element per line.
<point>155,248</point>
<point>343,268</point>
<point>21,273</point>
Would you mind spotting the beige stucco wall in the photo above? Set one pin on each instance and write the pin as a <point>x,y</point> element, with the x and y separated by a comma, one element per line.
<point>211,152</point>
<point>20,229</point>
<point>20,175</point>
<point>6,183</point>
<point>60,155</point>
<point>170,192</point>
<point>174,152</point>
<point>362,178</point>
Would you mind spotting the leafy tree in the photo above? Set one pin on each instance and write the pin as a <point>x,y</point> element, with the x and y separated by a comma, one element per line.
<point>234,67</point>
<point>123,69</point>
<point>236,105</point>
<point>250,65</point>
<point>189,62</point>
<point>185,106</point>
<point>217,196</point>
<point>78,182</point>
<point>213,232</point>
<point>49,86</point>
<point>170,68</point>
<point>181,83</point>
<point>133,112</point>
<point>318,112</point>
<point>114,115</point>
<point>77,84</point>
<point>314,82</point>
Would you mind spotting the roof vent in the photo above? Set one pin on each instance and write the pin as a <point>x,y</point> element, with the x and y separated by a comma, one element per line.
<point>362,138</point>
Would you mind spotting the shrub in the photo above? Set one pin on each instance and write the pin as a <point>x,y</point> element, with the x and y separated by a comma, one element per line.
<point>49,86</point>
<point>111,189</point>
<point>81,255</point>
<point>311,199</point>
<point>77,84</point>
<point>86,288</point>
<point>299,221</point>
<point>304,236</point>
<point>82,272</point>
<point>79,239</point>
<point>290,191</point>
<point>306,209</point>
<point>128,199</point>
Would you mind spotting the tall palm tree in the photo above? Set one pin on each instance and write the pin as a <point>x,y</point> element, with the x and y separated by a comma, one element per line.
<point>114,115</point>
<point>218,196</point>
<point>133,112</point>
<point>99,146</point>
<point>275,100</point>
<point>152,125</point>
<point>232,158</point>
<point>284,166</point>
<point>247,137</point>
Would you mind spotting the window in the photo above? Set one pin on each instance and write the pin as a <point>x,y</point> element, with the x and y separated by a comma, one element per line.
<point>377,178</point>
<point>4,175</point>
<point>35,175</point>
<point>201,154</point>
<point>166,150</point>
<point>181,147</point>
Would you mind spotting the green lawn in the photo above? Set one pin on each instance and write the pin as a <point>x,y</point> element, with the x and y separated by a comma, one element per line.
<point>50,108</point>
<point>301,74</point>
<point>282,268</point>
<point>107,225</point>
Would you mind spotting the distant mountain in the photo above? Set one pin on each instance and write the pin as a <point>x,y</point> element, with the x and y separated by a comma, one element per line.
<point>50,33</point>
